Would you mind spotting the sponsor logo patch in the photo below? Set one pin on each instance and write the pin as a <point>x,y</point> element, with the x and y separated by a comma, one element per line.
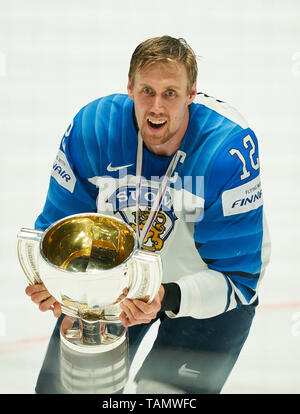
<point>242,199</point>
<point>62,172</point>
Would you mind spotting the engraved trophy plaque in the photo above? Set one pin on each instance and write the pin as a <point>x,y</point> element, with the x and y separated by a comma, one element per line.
<point>89,263</point>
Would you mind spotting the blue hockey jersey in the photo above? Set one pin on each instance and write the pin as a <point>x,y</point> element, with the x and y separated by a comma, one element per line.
<point>210,229</point>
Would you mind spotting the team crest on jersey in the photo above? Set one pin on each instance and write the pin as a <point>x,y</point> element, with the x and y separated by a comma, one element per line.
<point>123,201</point>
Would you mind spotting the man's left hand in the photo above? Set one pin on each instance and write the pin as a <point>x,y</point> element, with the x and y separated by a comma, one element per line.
<point>136,311</point>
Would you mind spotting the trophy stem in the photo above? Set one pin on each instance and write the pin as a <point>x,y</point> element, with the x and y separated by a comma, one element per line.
<point>91,337</point>
<point>91,333</point>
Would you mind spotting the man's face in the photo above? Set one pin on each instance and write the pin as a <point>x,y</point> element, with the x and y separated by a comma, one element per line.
<point>161,104</point>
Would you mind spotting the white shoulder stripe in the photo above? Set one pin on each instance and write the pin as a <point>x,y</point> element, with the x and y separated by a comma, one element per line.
<point>222,108</point>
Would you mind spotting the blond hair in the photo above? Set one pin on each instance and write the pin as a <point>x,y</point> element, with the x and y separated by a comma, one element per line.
<point>164,49</point>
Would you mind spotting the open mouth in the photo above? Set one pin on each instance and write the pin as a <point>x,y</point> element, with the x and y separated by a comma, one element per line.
<point>156,124</point>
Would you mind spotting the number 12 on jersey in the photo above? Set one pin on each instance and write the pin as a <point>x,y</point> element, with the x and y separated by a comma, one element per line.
<point>254,164</point>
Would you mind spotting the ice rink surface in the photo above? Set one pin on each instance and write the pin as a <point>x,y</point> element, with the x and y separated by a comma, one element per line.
<point>57,56</point>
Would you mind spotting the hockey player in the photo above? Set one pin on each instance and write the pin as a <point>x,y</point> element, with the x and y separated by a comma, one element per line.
<point>209,227</point>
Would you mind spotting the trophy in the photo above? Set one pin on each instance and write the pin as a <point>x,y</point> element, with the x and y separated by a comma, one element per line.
<point>89,263</point>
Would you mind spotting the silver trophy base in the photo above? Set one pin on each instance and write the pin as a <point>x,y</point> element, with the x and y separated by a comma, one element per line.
<point>88,368</point>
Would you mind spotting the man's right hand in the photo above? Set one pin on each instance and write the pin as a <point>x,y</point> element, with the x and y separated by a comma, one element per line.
<point>40,295</point>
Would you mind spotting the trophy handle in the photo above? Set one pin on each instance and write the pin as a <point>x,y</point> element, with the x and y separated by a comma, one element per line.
<point>145,273</point>
<point>28,250</point>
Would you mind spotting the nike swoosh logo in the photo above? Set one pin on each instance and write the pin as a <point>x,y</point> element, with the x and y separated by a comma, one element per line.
<point>184,371</point>
<point>111,168</point>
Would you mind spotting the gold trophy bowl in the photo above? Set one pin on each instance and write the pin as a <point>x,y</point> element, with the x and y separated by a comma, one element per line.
<point>89,263</point>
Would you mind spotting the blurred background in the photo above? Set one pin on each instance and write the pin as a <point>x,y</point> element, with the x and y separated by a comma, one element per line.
<point>57,56</point>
